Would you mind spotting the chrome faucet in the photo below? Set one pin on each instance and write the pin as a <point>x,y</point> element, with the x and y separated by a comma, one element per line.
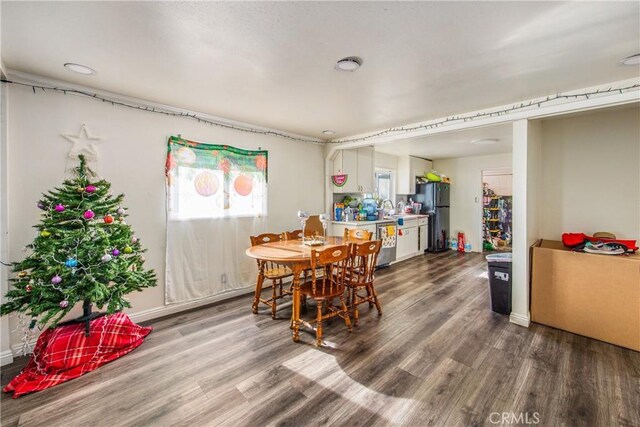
<point>386,204</point>
<point>400,208</point>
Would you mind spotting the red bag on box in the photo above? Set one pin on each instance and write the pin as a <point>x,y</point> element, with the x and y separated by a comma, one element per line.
<point>571,240</point>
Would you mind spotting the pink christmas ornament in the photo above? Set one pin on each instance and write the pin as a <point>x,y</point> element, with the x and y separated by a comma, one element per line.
<point>91,188</point>
<point>56,280</point>
<point>64,304</point>
<point>59,207</point>
<point>89,214</point>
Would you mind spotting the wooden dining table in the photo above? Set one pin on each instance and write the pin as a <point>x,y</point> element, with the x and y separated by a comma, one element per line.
<point>297,256</point>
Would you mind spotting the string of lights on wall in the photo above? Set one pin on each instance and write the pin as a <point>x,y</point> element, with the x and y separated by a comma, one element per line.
<point>199,119</point>
<point>393,130</point>
<point>464,118</point>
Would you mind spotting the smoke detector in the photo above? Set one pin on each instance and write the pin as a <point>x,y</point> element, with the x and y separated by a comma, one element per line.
<point>350,63</point>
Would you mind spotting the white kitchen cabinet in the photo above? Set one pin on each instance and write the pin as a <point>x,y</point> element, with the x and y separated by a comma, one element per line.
<point>407,239</point>
<point>358,165</point>
<point>409,167</point>
<point>423,235</point>
<point>346,162</point>
<point>366,167</point>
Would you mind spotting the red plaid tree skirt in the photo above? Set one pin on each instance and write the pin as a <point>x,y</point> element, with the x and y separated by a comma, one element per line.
<point>64,353</point>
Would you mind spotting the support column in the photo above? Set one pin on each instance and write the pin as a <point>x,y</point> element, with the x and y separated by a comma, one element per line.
<point>526,174</point>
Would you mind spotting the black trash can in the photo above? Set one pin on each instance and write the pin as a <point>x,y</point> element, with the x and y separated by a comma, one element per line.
<point>500,282</point>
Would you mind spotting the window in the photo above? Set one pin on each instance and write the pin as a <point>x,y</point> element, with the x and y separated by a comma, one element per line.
<point>215,181</point>
<point>384,185</point>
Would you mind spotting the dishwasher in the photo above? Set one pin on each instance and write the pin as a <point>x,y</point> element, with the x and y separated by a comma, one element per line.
<point>387,232</point>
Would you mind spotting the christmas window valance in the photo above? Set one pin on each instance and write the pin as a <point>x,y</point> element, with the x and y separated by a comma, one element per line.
<point>215,181</point>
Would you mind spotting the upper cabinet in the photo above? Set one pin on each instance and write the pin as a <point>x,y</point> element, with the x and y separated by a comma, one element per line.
<point>358,165</point>
<point>408,168</point>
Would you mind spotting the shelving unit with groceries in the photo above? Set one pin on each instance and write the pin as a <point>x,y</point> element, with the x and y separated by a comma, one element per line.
<point>496,220</point>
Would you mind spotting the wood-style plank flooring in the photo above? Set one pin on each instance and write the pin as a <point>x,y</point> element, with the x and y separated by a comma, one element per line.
<point>437,356</point>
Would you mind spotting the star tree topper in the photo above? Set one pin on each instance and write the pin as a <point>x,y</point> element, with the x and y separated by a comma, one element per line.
<point>83,143</point>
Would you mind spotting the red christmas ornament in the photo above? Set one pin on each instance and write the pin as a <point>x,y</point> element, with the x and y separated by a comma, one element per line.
<point>261,162</point>
<point>243,185</point>
<point>28,288</point>
<point>108,219</point>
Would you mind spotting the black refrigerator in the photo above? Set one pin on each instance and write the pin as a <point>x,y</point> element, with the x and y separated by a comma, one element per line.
<point>434,197</point>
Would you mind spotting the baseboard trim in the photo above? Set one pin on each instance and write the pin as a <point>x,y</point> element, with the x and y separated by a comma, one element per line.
<point>519,319</point>
<point>156,312</point>
<point>6,357</point>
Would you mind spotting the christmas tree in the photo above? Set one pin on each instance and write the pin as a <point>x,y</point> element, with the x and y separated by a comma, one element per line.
<point>84,252</point>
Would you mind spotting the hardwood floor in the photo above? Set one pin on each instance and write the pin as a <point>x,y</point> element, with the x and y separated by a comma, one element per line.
<point>438,356</point>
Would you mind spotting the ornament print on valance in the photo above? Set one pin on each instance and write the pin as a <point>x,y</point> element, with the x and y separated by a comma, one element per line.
<point>215,181</point>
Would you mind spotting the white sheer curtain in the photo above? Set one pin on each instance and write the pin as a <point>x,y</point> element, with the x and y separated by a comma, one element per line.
<point>216,199</point>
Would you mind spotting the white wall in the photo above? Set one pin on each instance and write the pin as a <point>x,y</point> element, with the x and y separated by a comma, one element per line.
<point>590,173</point>
<point>500,182</point>
<point>5,352</point>
<point>132,158</point>
<point>466,189</point>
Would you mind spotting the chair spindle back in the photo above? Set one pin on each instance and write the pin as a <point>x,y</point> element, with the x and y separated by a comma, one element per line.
<point>363,261</point>
<point>333,263</point>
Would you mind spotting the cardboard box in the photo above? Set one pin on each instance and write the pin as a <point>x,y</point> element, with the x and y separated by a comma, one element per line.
<point>597,296</point>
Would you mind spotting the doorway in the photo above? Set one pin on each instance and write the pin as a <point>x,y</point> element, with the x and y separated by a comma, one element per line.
<point>497,206</point>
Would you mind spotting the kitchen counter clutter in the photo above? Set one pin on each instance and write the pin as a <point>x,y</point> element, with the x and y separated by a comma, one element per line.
<point>411,232</point>
<point>390,219</point>
<point>597,296</point>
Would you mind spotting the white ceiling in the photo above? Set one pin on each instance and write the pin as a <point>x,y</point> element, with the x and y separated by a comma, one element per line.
<point>271,63</point>
<point>454,144</point>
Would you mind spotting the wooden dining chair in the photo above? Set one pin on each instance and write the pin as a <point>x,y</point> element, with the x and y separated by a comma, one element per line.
<point>360,276</point>
<point>297,235</point>
<point>331,285</point>
<point>293,235</point>
<point>271,271</point>
<point>354,235</point>
<point>313,227</point>
<point>357,234</point>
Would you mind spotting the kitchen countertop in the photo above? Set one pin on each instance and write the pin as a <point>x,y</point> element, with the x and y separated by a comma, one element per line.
<point>357,223</point>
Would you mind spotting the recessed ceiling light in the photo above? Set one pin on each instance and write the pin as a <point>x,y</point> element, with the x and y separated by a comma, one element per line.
<point>350,63</point>
<point>484,141</point>
<point>631,60</point>
<point>81,69</point>
<point>328,132</point>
